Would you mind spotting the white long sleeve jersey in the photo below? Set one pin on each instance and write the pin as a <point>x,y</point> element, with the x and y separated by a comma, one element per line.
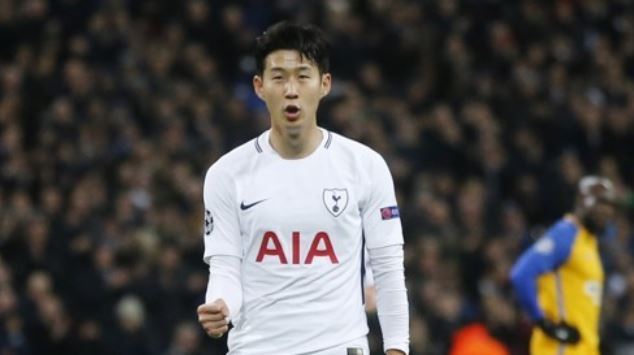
<point>299,227</point>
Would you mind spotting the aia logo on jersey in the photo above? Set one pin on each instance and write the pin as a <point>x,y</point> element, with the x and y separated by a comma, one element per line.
<point>335,200</point>
<point>271,247</point>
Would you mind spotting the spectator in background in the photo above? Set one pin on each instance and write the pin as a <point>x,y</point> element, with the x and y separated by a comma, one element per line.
<point>186,340</point>
<point>132,334</point>
<point>475,340</point>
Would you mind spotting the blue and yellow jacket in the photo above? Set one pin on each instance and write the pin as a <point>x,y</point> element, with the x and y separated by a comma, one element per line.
<point>561,278</point>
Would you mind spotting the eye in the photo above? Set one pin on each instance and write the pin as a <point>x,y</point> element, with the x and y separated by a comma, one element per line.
<point>304,77</point>
<point>277,77</point>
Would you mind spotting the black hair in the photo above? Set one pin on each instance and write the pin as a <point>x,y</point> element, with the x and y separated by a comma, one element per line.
<point>307,39</point>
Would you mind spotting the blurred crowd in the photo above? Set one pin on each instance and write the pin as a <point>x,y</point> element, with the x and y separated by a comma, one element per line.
<point>487,111</point>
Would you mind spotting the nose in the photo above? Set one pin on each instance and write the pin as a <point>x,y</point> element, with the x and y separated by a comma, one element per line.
<point>290,89</point>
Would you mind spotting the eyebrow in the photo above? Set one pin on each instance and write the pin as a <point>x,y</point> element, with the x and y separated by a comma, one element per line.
<point>298,68</point>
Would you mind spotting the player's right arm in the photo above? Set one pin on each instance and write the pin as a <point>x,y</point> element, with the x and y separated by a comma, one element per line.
<point>546,255</point>
<point>223,253</point>
<point>213,318</point>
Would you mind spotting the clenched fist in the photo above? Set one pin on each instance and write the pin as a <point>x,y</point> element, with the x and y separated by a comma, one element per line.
<point>214,318</point>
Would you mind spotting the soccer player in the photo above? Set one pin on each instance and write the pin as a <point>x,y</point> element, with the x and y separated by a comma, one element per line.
<point>559,280</point>
<point>288,215</point>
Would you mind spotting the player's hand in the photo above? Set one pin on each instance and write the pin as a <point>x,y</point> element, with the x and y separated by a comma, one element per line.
<point>214,318</point>
<point>562,331</point>
<point>394,352</point>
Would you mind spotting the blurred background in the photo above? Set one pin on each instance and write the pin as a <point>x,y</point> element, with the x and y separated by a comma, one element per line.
<point>487,111</point>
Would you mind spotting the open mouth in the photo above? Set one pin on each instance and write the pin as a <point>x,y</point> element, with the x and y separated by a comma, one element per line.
<point>291,112</point>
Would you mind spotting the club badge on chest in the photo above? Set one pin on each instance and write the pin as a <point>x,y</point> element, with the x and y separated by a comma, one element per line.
<point>335,200</point>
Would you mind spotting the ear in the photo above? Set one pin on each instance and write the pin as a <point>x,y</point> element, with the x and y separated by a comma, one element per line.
<point>257,86</point>
<point>326,84</point>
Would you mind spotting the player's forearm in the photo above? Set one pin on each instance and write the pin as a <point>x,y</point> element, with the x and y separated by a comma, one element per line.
<point>392,304</point>
<point>224,282</point>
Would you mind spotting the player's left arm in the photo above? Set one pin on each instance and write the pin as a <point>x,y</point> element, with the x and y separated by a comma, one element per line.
<point>546,255</point>
<point>391,297</point>
<point>384,241</point>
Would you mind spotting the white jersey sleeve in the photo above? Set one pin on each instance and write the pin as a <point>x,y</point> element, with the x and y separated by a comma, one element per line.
<point>391,296</point>
<point>224,282</point>
<point>381,218</point>
<point>222,229</point>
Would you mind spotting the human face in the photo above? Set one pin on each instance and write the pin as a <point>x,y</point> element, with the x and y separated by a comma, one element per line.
<point>291,86</point>
<point>599,216</point>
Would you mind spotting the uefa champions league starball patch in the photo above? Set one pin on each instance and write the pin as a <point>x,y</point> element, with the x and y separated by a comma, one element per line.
<point>209,222</point>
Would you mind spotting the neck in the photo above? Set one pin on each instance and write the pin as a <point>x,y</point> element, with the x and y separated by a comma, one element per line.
<point>586,223</point>
<point>296,146</point>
